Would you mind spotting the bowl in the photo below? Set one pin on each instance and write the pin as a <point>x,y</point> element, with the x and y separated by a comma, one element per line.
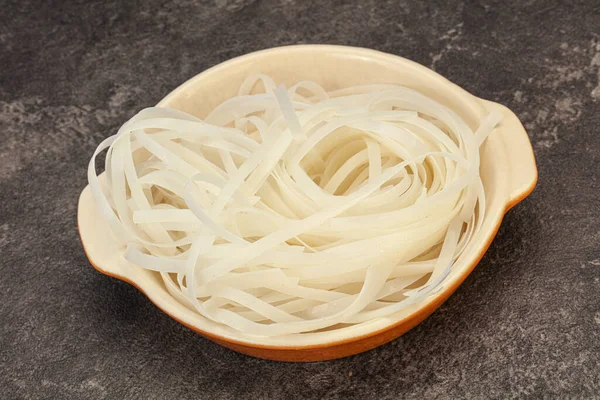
<point>508,172</point>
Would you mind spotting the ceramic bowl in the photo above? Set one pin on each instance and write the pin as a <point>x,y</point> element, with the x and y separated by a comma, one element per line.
<point>508,172</point>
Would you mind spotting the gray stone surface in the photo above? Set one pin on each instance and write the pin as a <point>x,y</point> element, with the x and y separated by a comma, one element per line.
<point>526,323</point>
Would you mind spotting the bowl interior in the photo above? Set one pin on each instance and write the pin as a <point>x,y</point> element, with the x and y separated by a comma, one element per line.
<point>332,67</point>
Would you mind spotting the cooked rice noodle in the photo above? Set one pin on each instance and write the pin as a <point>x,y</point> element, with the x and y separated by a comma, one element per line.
<point>298,210</point>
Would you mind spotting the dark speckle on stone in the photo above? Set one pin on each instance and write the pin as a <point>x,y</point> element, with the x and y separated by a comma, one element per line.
<point>525,324</point>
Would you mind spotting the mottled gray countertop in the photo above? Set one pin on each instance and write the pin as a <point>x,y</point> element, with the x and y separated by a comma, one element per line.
<point>526,323</point>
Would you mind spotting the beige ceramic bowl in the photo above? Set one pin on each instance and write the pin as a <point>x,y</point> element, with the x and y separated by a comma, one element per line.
<point>508,172</point>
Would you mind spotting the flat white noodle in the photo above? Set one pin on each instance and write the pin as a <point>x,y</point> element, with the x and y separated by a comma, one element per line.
<point>296,210</point>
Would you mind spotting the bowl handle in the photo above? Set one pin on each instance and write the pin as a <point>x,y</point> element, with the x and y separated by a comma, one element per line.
<point>522,170</point>
<point>100,246</point>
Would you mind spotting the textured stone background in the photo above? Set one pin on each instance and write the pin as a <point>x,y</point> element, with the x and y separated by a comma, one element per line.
<point>526,323</point>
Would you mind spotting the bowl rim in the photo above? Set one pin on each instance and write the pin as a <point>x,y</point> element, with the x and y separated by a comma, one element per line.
<point>409,320</point>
